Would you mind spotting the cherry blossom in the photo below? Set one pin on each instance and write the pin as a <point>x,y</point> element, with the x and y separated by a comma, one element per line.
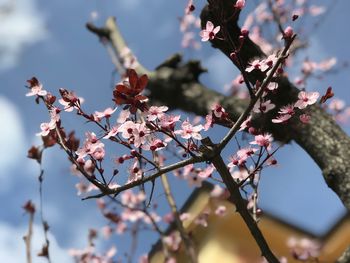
<point>207,172</point>
<point>288,109</point>
<point>263,140</point>
<point>189,7</point>
<point>140,133</point>
<point>240,175</point>
<point>209,32</point>
<point>263,107</point>
<point>306,99</point>
<point>219,111</point>
<point>255,64</point>
<point>67,106</point>
<point>202,219</point>
<point>168,122</point>
<point>36,88</point>
<point>127,129</point>
<point>336,105</point>
<point>107,113</point>
<point>282,118</point>
<point>91,146</point>
<point>221,210</point>
<point>155,112</point>
<point>173,240</point>
<point>239,4</point>
<point>246,123</point>
<point>217,191</point>
<point>288,32</point>
<point>46,127</point>
<point>112,132</point>
<point>241,156</point>
<point>304,118</point>
<point>304,248</point>
<point>188,131</point>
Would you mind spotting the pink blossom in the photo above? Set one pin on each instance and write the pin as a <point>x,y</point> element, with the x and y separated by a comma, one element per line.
<point>127,129</point>
<point>304,248</point>
<point>272,86</point>
<point>188,131</point>
<point>169,121</point>
<point>282,118</point>
<point>46,127</point>
<point>194,180</point>
<point>219,111</point>
<point>263,107</point>
<point>67,106</point>
<point>256,64</point>
<point>141,134</point>
<point>221,210</point>
<point>269,62</point>
<point>91,146</point>
<point>241,156</point>
<point>185,216</point>
<point>189,40</point>
<point>207,172</point>
<point>263,140</point>
<point>209,122</point>
<point>135,173</point>
<point>112,132</point>
<point>240,175</point>
<point>239,4</point>
<point>288,32</point>
<point>327,64</point>
<point>168,218</point>
<point>217,191</point>
<point>187,21</point>
<point>173,241</point>
<point>154,144</point>
<point>155,113</point>
<point>189,7</point>
<point>304,118</point>
<point>37,90</point>
<point>84,187</point>
<point>54,114</point>
<point>246,123</point>
<point>202,219</point>
<point>123,116</point>
<point>132,215</point>
<point>306,98</point>
<point>132,200</point>
<point>316,10</point>
<point>337,105</point>
<point>209,32</point>
<point>288,109</point>
<point>107,113</point>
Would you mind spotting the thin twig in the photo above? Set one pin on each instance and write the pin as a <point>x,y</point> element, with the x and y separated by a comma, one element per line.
<point>260,92</point>
<point>188,242</point>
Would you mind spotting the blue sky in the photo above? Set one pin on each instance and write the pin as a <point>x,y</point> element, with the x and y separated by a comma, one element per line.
<point>48,39</point>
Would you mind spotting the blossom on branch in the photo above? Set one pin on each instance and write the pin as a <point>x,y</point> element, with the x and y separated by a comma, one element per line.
<point>209,32</point>
<point>36,88</point>
<point>306,99</point>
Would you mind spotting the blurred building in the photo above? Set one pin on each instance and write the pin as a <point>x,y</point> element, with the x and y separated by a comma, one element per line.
<point>226,238</point>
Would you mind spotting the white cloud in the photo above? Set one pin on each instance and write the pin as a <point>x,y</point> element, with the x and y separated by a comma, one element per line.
<point>12,137</point>
<point>12,247</point>
<point>21,24</point>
